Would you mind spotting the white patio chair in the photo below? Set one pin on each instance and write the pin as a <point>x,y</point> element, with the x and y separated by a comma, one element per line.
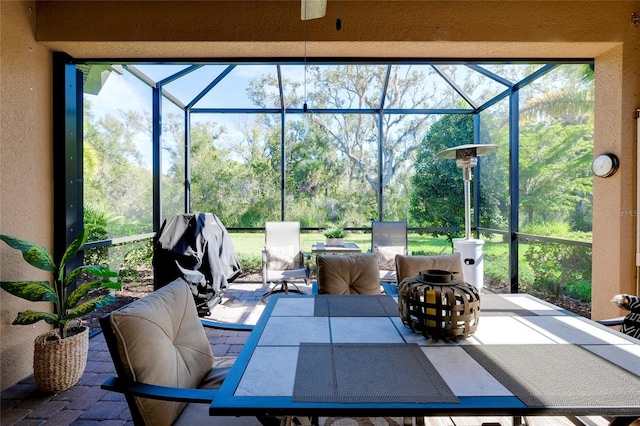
<point>389,239</point>
<point>283,261</point>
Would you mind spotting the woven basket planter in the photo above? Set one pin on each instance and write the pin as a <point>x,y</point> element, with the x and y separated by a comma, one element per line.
<point>440,310</point>
<point>59,363</point>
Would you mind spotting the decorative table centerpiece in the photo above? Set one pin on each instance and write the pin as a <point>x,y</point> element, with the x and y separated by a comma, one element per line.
<point>439,306</point>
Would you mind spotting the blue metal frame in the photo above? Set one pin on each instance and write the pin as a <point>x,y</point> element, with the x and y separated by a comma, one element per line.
<point>514,186</point>
<point>67,155</point>
<point>157,156</point>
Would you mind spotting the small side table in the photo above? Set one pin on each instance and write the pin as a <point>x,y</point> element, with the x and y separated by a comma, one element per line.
<point>345,248</point>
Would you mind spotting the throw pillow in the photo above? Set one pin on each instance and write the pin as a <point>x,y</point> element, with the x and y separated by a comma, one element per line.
<point>387,256</point>
<point>281,258</point>
<point>631,323</point>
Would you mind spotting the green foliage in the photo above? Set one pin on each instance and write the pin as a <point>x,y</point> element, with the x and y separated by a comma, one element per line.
<point>117,178</point>
<point>251,263</point>
<point>558,265</point>
<point>331,164</point>
<point>137,256</point>
<point>580,290</point>
<point>97,221</point>
<point>555,173</point>
<point>67,306</point>
<point>334,233</point>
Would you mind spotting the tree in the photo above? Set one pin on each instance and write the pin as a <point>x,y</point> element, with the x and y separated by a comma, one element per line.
<point>554,171</point>
<point>117,180</point>
<point>356,135</point>
<point>556,146</point>
<point>437,198</point>
<point>338,156</point>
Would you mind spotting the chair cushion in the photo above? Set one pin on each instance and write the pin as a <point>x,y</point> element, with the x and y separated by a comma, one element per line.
<point>410,266</point>
<point>387,256</point>
<point>161,341</point>
<point>289,274</point>
<point>348,274</point>
<point>281,258</point>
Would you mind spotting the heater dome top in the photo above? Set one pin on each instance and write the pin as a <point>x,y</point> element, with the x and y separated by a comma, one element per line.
<point>469,150</point>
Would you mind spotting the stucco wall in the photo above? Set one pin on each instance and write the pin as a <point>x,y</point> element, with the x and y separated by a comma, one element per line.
<point>25,175</point>
<point>200,29</point>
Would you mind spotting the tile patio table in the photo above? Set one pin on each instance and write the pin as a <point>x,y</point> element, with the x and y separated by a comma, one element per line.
<point>330,355</point>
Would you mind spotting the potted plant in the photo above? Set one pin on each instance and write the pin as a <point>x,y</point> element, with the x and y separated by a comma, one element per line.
<point>335,236</point>
<point>60,355</point>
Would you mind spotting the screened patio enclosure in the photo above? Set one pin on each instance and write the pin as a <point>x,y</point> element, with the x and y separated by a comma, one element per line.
<point>333,142</point>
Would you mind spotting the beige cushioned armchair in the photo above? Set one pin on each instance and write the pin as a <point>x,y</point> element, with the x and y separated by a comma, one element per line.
<point>160,349</point>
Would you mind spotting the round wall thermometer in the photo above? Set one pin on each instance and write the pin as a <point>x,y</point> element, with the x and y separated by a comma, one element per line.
<point>605,165</point>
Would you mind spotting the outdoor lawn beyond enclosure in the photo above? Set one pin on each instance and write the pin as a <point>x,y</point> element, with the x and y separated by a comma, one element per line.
<point>561,270</point>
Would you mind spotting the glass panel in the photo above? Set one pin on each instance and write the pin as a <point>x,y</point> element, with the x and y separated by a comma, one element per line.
<point>554,271</point>
<point>310,178</point>
<point>420,86</point>
<point>235,167</point>
<point>133,263</point>
<point>158,72</point>
<point>496,264</point>
<point>428,244</point>
<point>293,85</point>
<point>475,86</point>
<point>187,87</point>
<point>334,86</point>
<point>512,72</point>
<point>238,88</point>
<point>173,160</point>
<point>437,198</point>
<point>333,170</point>
<point>117,159</point>
<point>556,148</point>
<point>493,170</point>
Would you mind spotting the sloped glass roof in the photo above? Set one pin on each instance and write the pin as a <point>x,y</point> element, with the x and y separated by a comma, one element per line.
<point>436,87</point>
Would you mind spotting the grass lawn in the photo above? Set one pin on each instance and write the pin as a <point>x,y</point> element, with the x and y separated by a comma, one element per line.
<point>251,243</point>
<point>248,246</point>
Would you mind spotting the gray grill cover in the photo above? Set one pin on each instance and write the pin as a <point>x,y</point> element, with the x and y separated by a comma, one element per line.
<point>197,248</point>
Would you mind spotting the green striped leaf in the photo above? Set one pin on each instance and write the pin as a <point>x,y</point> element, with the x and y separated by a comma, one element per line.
<point>95,270</point>
<point>31,317</point>
<point>89,306</point>
<point>34,291</point>
<point>34,254</point>
<point>71,251</point>
<point>81,291</point>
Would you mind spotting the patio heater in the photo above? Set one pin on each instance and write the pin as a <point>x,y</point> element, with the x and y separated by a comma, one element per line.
<point>470,249</point>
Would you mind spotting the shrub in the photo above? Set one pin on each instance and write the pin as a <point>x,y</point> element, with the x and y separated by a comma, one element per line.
<point>558,265</point>
<point>251,263</point>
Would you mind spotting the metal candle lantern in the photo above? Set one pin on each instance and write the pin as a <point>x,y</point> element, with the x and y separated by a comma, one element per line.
<point>439,306</point>
<point>466,157</point>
